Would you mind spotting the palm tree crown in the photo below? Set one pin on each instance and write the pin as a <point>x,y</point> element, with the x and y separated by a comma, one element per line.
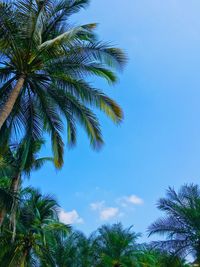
<point>17,161</point>
<point>115,246</point>
<point>43,68</point>
<point>37,218</point>
<point>181,225</point>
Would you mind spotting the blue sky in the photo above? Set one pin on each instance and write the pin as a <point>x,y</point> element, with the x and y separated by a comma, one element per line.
<point>158,143</point>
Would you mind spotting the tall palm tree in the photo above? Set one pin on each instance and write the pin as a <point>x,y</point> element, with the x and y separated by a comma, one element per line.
<point>181,225</point>
<point>37,218</point>
<point>114,246</point>
<point>44,65</point>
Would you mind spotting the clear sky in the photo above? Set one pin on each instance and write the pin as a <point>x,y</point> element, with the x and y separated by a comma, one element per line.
<point>158,144</point>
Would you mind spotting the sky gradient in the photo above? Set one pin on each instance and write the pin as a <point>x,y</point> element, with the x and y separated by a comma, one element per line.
<point>158,144</point>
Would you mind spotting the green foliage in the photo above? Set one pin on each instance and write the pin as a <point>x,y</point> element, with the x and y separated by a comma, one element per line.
<point>55,60</point>
<point>32,235</point>
<point>114,246</point>
<point>42,240</point>
<point>36,219</point>
<point>21,159</point>
<point>16,162</point>
<point>181,225</point>
<point>73,249</point>
<point>150,257</point>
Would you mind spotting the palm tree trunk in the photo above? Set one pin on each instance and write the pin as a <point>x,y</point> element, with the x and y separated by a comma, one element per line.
<point>9,104</point>
<point>2,216</point>
<point>15,184</point>
<point>15,190</point>
<point>23,260</point>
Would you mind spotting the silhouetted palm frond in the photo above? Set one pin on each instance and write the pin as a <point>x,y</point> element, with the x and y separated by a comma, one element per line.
<point>181,225</point>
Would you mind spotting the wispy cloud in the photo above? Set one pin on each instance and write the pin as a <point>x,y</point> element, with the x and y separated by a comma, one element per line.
<point>105,213</point>
<point>97,205</point>
<point>123,204</point>
<point>71,217</point>
<point>108,213</point>
<point>133,199</point>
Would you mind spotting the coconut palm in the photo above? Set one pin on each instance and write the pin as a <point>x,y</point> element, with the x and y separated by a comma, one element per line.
<point>37,217</point>
<point>63,250</point>
<point>71,250</point>
<point>85,252</point>
<point>7,197</point>
<point>146,257</point>
<point>20,159</point>
<point>114,246</point>
<point>16,162</point>
<point>44,65</point>
<point>149,257</point>
<point>181,225</point>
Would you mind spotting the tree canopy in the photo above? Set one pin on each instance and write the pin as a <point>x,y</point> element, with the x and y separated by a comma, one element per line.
<point>181,224</point>
<point>45,65</point>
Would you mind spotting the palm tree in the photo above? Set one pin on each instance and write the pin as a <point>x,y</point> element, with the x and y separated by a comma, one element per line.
<point>181,225</point>
<point>7,198</point>
<point>71,250</point>
<point>37,217</point>
<point>15,162</point>
<point>43,68</point>
<point>149,257</point>
<point>85,252</point>
<point>63,250</point>
<point>114,246</point>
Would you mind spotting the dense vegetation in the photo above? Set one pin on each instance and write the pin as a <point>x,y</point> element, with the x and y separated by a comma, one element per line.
<point>32,235</point>
<point>45,66</point>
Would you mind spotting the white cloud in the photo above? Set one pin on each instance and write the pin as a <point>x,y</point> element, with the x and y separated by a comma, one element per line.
<point>134,200</point>
<point>97,205</point>
<point>130,200</point>
<point>108,213</point>
<point>105,213</point>
<point>71,217</point>
<point>124,203</point>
